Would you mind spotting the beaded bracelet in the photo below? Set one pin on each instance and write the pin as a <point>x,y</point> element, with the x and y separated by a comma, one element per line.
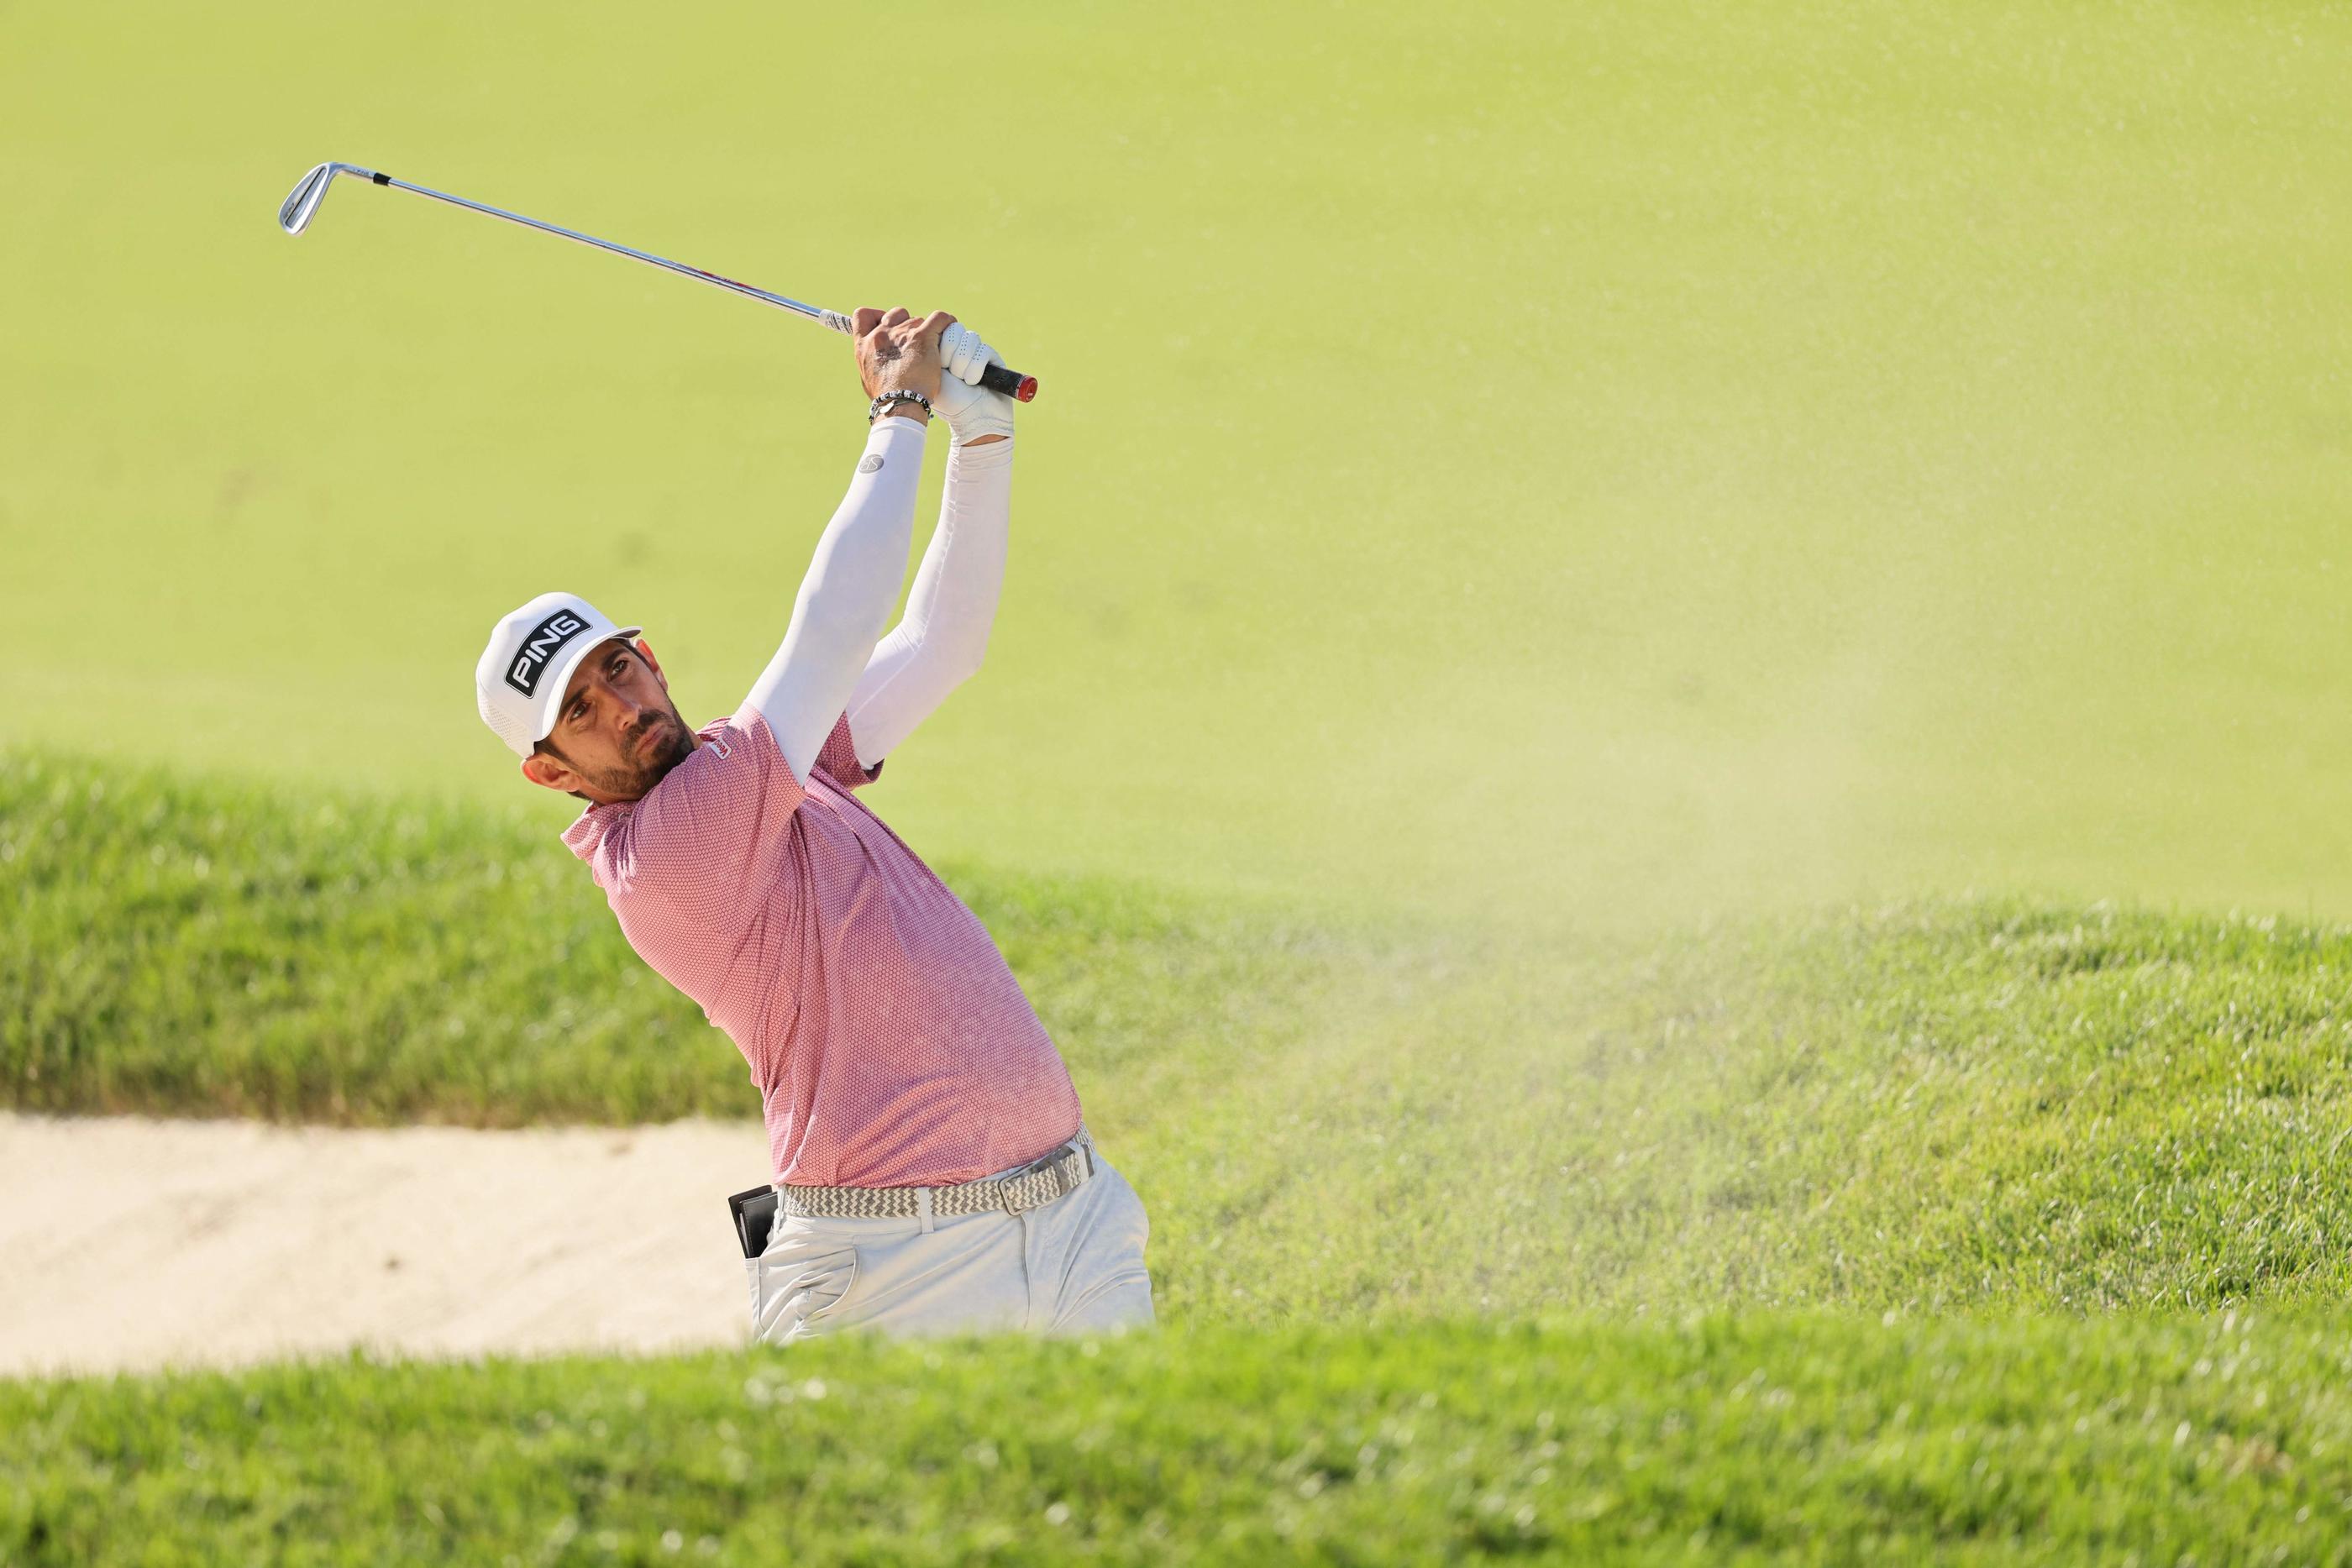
<point>902,394</point>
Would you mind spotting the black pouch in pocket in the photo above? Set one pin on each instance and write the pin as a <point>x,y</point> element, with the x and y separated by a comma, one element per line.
<point>754,1210</point>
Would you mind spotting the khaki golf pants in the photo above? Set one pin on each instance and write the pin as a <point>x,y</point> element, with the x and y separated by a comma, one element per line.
<point>1071,1266</point>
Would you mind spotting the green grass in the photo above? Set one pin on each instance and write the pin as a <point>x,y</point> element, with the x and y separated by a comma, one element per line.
<point>1770,1438</point>
<point>1587,461</point>
<point>1919,1107</point>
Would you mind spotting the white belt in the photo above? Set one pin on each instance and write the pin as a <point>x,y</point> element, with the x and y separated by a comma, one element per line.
<point>1040,1182</point>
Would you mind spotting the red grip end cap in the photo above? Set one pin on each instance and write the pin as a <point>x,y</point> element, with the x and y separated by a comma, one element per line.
<point>1027,391</point>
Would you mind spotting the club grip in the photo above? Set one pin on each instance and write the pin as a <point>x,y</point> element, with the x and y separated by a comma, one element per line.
<point>1011,383</point>
<point>996,378</point>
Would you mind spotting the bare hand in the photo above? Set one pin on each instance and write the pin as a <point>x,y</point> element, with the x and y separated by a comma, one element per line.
<point>895,353</point>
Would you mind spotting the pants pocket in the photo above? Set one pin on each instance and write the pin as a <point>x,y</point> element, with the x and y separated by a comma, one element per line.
<point>1106,1285</point>
<point>796,1288</point>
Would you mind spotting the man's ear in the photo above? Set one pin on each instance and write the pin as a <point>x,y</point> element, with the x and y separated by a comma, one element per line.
<point>652,664</point>
<point>547,772</point>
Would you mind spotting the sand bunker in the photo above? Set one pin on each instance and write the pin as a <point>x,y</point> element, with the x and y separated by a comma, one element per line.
<point>135,1244</point>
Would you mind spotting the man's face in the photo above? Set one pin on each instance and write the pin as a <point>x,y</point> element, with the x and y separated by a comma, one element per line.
<point>617,732</point>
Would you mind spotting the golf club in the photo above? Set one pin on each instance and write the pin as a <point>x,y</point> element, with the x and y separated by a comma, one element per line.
<point>302,204</point>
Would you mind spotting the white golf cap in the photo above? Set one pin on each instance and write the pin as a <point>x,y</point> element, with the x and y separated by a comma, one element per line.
<point>528,663</point>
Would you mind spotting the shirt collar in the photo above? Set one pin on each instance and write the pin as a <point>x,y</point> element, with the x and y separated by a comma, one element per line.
<point>594,825</point>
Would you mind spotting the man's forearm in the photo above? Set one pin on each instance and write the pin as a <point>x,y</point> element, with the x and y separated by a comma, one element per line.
<point>846,598</point>
<point>861,558</point>
<point>939,643</point>
<point>953,601</point>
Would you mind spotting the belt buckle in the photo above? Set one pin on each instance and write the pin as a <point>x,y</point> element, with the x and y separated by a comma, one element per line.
<point>1053,1162</point>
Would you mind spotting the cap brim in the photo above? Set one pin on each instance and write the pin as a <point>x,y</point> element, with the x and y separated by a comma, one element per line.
<point>559,676</point>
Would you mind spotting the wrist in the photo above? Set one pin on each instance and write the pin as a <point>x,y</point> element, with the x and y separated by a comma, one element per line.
<point>899,402</point>
<point>976,421</point>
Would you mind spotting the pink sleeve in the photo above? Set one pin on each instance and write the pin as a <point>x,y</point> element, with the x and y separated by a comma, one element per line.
<point>838,759</point>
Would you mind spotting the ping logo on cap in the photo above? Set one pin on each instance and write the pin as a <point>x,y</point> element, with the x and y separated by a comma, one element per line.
<point>540,647</point>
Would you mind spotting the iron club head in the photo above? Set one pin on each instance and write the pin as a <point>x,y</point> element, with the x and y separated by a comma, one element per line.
<point>302,204</point>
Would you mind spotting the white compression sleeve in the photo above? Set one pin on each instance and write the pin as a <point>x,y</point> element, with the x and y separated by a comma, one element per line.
<point>844,600</point>
<point>938,644</point>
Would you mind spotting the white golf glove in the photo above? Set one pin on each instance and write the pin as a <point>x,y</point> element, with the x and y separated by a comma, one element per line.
<point>970,411</point>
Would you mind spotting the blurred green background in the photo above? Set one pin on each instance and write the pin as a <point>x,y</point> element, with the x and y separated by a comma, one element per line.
<point>1567,464</point>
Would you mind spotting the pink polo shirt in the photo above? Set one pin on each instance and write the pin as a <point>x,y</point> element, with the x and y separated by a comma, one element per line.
<point>890,1043</point>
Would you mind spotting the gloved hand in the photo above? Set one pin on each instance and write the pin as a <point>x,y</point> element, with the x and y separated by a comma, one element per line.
<point>970,411</point>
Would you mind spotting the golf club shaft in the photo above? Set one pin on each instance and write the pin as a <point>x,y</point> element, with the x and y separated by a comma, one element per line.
<point>994,377</point>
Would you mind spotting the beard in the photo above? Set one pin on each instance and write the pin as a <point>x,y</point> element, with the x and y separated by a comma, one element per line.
<point>649,760</point>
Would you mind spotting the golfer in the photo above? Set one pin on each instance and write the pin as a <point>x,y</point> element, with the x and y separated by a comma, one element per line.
<point>932,1172</point>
